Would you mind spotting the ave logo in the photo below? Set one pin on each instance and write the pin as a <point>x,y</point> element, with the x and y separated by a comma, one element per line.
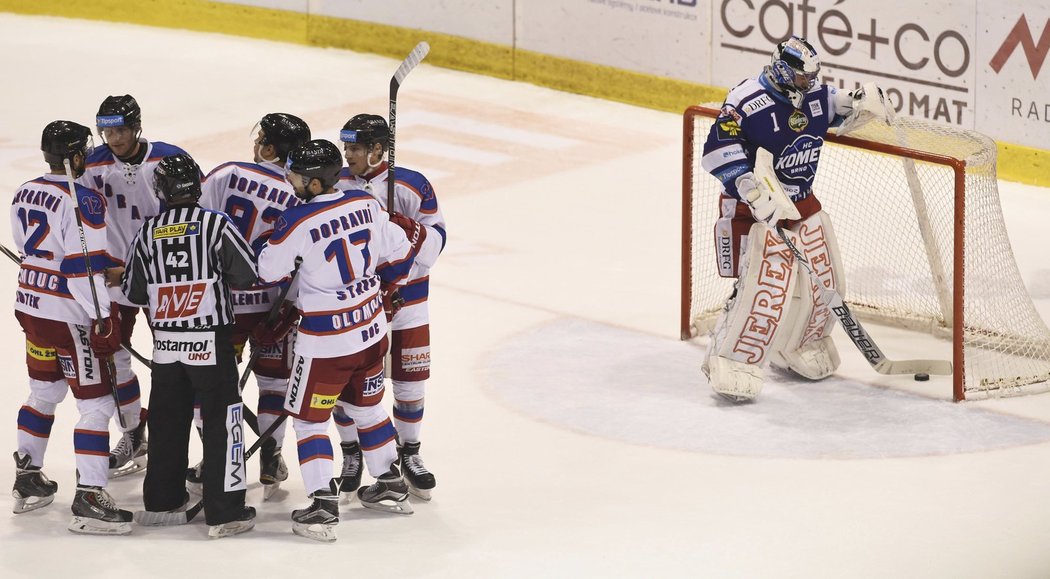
<point>179,301</point>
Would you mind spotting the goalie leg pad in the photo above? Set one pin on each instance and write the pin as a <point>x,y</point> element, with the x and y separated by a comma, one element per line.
<point>752,320</point>
<point>806,347</point>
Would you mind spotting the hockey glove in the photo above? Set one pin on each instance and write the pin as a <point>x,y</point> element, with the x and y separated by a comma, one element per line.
<point>105,334</point>
<point>415,232</point>
<point>392,301</point>
<point>764,206</point>
<point>269,333</point>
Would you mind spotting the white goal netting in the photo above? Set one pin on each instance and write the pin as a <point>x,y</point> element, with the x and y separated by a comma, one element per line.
<point>924,246</point>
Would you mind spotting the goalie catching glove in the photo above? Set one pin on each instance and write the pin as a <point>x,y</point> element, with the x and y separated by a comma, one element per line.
<point>105,334</point>
<point>862,106</point>
<point>269,333</point>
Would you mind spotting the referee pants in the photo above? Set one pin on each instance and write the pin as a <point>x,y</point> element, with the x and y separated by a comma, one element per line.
<point>172,393</point>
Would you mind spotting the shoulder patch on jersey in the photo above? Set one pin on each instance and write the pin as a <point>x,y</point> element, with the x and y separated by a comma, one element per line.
<point>176,230</point>
<point>92,206</point>
<point>756,104</point>
<point>728,128</point>
<point>729,112</point>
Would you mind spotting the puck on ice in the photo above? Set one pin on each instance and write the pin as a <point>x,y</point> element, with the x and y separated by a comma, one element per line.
<point>922,377</point>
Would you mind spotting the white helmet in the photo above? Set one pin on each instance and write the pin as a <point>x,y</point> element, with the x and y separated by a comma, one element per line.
<point>795,68</point>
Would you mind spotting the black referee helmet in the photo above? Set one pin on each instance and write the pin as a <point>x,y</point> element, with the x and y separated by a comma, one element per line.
<point>177,179</point>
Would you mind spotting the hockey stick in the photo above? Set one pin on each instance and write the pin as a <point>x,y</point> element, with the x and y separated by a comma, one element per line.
<point>418,53</point>
<point>856,332</point>
<point>167,519</point>
<point>270,319</point>
<point>10,254</point>
<point>94,293</point>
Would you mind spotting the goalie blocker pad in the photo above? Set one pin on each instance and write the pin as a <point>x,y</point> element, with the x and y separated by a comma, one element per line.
<point>804,345</point>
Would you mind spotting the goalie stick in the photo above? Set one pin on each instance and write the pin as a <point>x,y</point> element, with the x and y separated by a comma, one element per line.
<point>856,332</point>
<point>108,361</point>
<point>418,53</point>
<point>832,298</point>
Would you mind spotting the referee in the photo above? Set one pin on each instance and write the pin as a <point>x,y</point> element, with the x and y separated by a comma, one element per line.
<point>182,265</point>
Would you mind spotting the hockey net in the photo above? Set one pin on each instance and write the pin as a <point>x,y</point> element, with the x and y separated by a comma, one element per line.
<point>924,246</point>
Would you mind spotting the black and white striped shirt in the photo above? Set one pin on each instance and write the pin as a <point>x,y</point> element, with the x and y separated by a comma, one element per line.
<point>183,263</point>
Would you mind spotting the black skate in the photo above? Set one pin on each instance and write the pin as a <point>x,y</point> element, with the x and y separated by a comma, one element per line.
<point>129,455</point>
<point>194,482</point>
<point>95,513</point>
<point>420,481</point>
<point>272,470</point>
<point>242,524</point>
<point>32,487</point>
<point>318,521</point>
<point>350,479</point>
<point>389,493</point>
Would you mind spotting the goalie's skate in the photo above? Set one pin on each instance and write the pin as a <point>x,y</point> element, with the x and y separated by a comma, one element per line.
<point>318,521</point>
<point>96,513</point>
<point>350,478</point>
<point>32,488</point>
<point>389,493</point>
<point>816,360</point>
<point>420,480</point>
<point>129,455</point>
<point>732,380</point>
<point>242,524</point>
<point>272,469</point>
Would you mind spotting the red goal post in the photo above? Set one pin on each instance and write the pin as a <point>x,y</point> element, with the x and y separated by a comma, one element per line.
<point>916,212</point>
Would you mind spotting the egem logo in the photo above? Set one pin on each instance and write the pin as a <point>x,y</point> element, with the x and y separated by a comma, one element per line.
<point>179,301</point>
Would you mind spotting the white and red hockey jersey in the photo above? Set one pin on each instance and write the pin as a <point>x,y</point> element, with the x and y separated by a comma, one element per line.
<point>414,198</point>
<point>253,196</point>
<point>129,194</point>
<point>348,247</point>
<point>52,281</point>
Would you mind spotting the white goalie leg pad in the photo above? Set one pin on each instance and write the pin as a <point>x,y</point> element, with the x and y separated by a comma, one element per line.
<point>806,347</point>
<point>744,338</point>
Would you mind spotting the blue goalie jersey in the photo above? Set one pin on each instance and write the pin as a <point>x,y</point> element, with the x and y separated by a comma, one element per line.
<point>756,116</point>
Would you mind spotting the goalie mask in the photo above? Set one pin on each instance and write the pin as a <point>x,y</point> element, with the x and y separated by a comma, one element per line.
<point>794,68</point>
<point>63,140</point>
<point>318,159</point>
<point>177,179</point>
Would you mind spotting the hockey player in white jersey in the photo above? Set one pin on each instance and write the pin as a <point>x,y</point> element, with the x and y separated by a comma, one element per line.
<point>351,257</point>
<point>254,195</point>
<point>364,140</point>
<point>56,305</point>
<point>122,170</point>
<point>775,314</point>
